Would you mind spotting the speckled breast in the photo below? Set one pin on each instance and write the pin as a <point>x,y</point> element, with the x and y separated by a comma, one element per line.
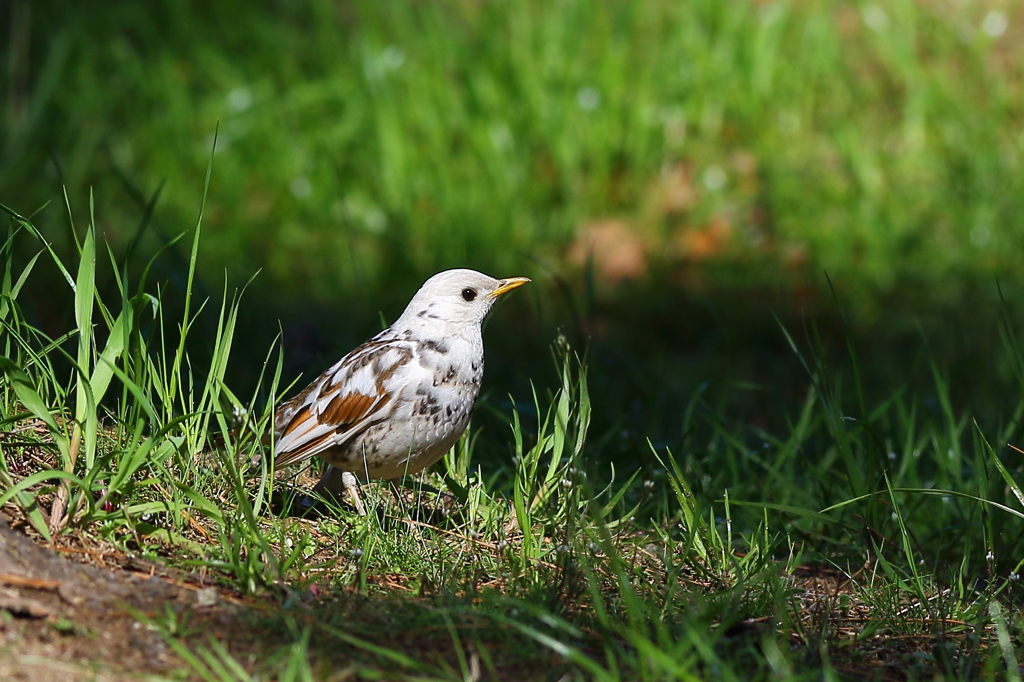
<point>430,417</point>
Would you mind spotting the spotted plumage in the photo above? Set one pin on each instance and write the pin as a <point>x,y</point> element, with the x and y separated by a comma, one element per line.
<point>397,403</point>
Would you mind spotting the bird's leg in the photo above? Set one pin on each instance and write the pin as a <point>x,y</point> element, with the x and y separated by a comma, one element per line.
<point>348,480</point>
<point>347,485</point>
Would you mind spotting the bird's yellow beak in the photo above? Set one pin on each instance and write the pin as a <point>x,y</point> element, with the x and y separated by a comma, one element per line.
<point>508,284</point>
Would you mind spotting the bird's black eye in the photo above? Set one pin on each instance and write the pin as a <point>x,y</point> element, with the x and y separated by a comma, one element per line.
<point>468,294</point>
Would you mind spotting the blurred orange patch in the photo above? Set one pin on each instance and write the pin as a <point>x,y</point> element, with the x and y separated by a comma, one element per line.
<point>618,251</point>
<point>705,241</point>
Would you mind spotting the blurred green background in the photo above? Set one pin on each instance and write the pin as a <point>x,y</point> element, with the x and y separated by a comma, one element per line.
<point>671,174</point>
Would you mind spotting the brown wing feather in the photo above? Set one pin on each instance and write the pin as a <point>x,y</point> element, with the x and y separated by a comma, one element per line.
<point>343,410</point>
<point>298,455</point>
<point>340,414</point>
<point>321,417</point>
<point>299,417</point>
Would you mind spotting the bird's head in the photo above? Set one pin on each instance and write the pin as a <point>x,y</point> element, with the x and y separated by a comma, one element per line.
<point>454,298</point>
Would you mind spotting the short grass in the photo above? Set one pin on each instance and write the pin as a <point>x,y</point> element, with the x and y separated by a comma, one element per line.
<point>863,539</point>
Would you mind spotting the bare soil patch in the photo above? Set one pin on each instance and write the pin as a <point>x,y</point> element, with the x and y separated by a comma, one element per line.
<point>77,612</point>
<point>63,619</point>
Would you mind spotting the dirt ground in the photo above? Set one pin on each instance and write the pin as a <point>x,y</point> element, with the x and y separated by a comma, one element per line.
<point>85,612</point>
<point>65,620</point>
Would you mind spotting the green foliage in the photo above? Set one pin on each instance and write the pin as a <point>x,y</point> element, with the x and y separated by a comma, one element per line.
<point>616,578</point>
<point>364,144</point>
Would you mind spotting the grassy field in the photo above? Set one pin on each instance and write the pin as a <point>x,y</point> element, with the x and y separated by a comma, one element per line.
<point>669,174</point>
<point>863,540</point>
<point>695,456</point>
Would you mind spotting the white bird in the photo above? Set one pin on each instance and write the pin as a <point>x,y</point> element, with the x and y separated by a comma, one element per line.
<point>399,402</point>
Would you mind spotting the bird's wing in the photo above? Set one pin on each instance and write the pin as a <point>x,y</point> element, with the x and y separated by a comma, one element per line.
<point>341,403</point>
